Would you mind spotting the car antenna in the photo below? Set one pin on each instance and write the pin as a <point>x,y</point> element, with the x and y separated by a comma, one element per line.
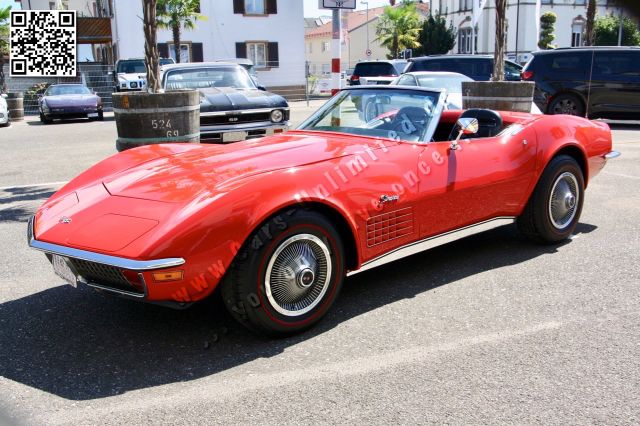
<point>586,110</point>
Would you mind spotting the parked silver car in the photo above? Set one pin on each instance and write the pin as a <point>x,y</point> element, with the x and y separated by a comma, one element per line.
<point>4,111</point>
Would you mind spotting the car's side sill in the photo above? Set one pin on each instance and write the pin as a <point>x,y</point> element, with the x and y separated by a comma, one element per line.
<point>434,241</point>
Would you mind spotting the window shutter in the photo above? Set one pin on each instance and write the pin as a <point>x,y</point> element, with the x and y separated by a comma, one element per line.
<point>273,60</point>
<point>196,52</point>
<point>163,50</point>
<point>238,6</point>
<point>241,50</point>
<point>272,7</point>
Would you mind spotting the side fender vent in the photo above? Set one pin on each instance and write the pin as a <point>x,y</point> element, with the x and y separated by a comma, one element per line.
<point>389,226</point>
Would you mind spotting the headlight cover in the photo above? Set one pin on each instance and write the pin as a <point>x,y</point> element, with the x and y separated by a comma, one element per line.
<point>277,116</point>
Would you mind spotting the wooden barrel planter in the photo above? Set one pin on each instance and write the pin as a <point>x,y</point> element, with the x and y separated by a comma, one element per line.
<point>498,95</point>
<point>145,119</point>
<point>15,104</point>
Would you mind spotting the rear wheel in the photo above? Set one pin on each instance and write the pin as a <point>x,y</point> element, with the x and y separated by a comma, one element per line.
<point>567,104</point>
<point>287,275</point>
<point>553,211</point>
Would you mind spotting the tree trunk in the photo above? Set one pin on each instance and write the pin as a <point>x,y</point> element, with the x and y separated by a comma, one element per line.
<point>176,41</point>
<point>498,55</point>
<point>151,45</point>
<point>3,86</point>
<point>395,46</point>
<point>589,33</point>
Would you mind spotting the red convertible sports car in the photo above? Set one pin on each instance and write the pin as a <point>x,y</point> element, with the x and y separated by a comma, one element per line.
<point>277,223</point>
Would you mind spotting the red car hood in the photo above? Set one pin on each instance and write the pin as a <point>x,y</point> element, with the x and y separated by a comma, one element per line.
<point>203,170</point>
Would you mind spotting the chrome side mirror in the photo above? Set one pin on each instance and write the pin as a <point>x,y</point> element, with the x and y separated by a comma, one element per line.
<point>467,126</point>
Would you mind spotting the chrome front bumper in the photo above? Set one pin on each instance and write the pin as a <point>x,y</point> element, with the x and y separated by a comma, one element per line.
<point>612,154</point>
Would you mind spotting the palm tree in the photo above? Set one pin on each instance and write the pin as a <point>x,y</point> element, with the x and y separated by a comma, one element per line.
<point>399,28</point>
<point>176,14</point>
<point>4,42</point>
<point>150,45</point>
<point>498,55</point>
<point>590,33</point>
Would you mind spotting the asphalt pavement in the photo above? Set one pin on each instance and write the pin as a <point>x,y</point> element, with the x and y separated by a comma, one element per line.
<point>492,329</point>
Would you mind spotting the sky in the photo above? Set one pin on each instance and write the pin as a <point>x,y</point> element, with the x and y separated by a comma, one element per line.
<point>5,3</point>
<point>311,7</point>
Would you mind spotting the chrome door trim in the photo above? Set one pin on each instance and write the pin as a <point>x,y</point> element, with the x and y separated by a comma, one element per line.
<point>434,241</point>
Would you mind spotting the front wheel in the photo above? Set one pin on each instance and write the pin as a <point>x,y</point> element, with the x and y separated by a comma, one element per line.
<point>44,119</point>
<point>287,275</point>
<point>553,211</point>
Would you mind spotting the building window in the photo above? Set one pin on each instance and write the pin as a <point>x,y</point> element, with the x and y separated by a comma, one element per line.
<point>577,30</point>
<point>465,5</point>
<point>310,47</point>
<point>325,46</point>
<point>65,5</point>
<point>547,2</point>
<point>464,40</point>
<point>258,54</point>
<point>263,54</point>
<point>254,7</point>
<point>581,2</point>
<point>185,52</point>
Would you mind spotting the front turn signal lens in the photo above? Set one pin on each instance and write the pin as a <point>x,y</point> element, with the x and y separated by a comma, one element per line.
<point>167,276</point>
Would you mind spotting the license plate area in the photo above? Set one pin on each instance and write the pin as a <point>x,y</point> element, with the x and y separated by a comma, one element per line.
<point>92,115</point>
<point>234,136</point>
<point>63,269</point>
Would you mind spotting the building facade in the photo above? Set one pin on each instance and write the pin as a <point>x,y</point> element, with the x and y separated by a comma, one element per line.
<point>269,32</point>
<point>522,38</point>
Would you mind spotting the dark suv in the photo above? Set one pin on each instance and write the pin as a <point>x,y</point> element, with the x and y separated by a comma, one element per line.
<point>477,67</point>
<point>377,72</point>
<point>595,81</point>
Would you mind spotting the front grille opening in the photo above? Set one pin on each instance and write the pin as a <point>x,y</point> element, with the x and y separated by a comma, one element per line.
<point>105,275</point>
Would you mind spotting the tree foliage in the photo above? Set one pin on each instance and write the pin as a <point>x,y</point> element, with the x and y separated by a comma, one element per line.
<point>606,31</point>
<point>399,28</point>
<point>547,27</point>
<point>4,43</point>
<point>436,37</point>
<point>177,14</point>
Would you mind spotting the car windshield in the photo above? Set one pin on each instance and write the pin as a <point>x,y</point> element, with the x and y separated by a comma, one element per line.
<point>201,78</point>
<point>400,114</point>
<point>376,69</point>
<point>451,84</point>
<point>136,66</point>
<point>67,90</point>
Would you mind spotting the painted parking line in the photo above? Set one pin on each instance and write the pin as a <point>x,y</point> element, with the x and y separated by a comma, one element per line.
<point>33,185</point>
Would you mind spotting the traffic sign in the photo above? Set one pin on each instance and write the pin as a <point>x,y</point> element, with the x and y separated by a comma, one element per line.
<point>336,4</point>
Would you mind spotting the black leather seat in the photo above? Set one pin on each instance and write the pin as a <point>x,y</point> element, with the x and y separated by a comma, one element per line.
<point>410,123</point>
<point>490,123</point>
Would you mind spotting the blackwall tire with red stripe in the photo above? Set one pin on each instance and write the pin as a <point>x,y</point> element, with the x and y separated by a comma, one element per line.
<point>287,274</point>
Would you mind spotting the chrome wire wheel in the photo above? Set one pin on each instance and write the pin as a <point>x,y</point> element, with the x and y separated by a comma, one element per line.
<point>564,200</point>
<point>298,275</point>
